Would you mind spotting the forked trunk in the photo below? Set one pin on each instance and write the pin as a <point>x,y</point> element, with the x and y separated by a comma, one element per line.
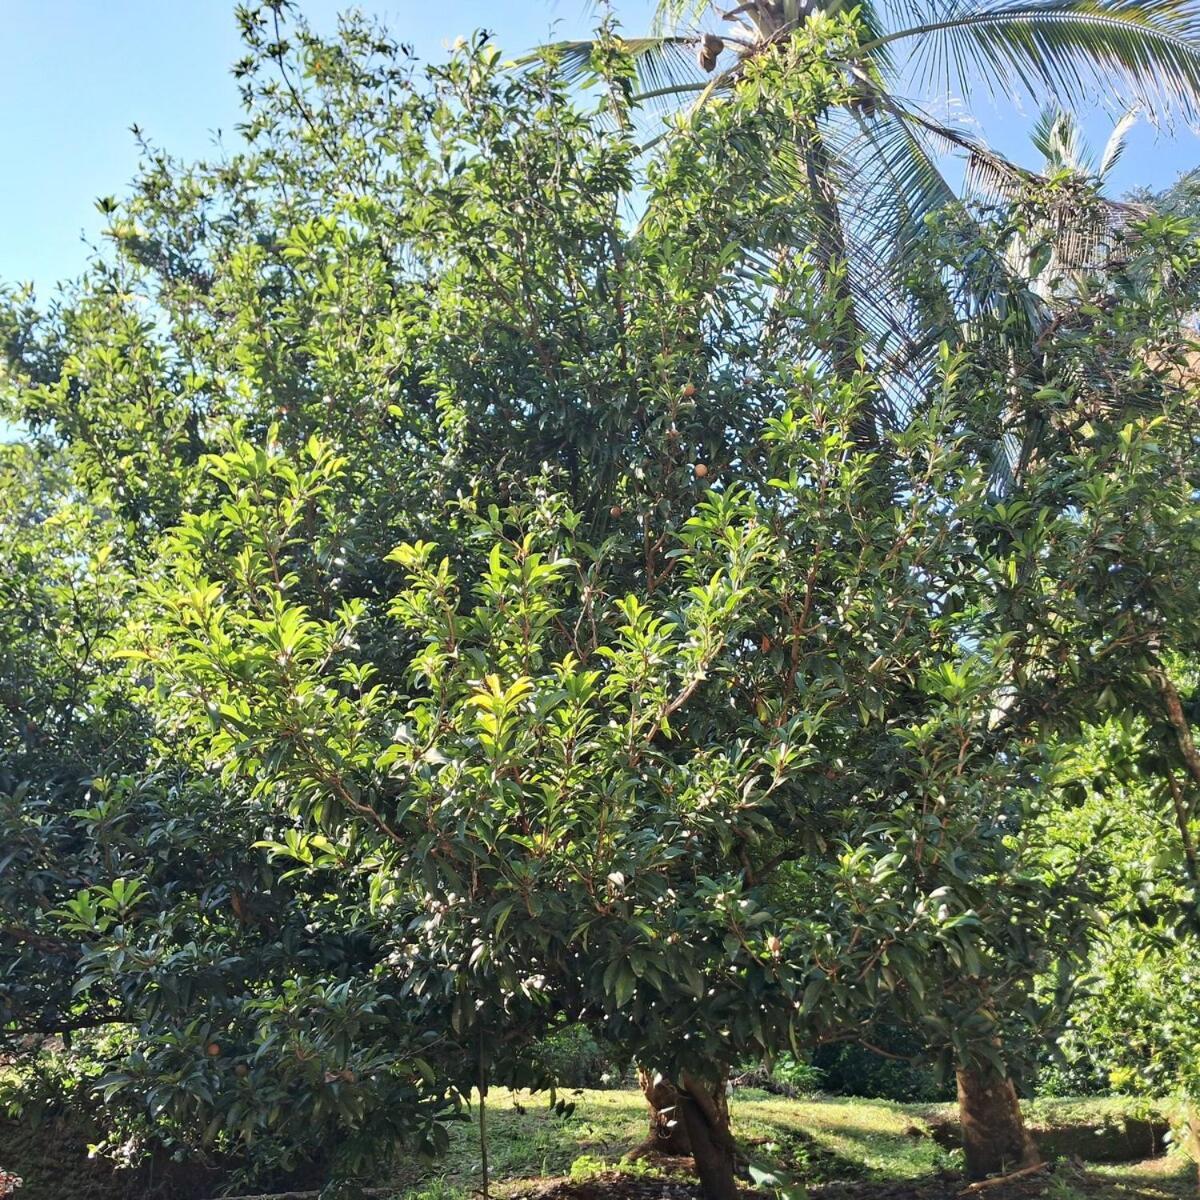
<point>668,1134</point>
<point>995,1140</point>
<point>692,1118</point>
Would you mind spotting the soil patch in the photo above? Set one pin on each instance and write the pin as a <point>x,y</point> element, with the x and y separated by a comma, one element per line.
<point>610,1185</point>
<point>1144,1181</point>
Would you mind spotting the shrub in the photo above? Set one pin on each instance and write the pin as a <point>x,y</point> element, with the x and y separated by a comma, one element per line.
<point>852,1070</point>
<point>573,1058</point>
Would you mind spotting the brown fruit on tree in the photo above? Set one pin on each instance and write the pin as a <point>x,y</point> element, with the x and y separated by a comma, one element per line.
<point>701,471</point>
<point>708,51</point>
<point>213,1049</point>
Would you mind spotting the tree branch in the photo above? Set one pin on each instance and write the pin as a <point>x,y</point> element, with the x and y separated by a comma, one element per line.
<point>1179,722</point>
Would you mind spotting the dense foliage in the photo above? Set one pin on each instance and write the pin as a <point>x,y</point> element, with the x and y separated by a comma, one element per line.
<point>459,588</point>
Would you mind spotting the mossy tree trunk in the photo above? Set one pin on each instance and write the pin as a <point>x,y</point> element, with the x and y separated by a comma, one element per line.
<point>1191,1137</point>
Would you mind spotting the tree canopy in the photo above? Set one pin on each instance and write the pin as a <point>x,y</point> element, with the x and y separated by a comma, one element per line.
<point>449,597</point>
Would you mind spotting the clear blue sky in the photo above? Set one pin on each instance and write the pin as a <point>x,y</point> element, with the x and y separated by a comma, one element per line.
<point>77,73</point>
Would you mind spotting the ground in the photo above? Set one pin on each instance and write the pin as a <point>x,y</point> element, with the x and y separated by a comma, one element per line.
<point>837,1149</point>
<point>834,1149</point>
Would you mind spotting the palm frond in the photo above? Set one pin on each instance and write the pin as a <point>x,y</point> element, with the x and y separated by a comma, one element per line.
<point>1087,236</point>
<point>887,182</point>
<point>891,168</point>
<point>1057,137</point>
<point>1146,50</point>
<point>990,179</point>
<point>671,14</point>
<point>888,198</point>
<point>883,185</point>
<point>1115,146</point>
<point>1043,132</point>
<point>1087,231</point>
<point>664,65</point>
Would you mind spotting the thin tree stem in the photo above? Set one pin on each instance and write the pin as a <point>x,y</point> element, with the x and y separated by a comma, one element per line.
<point>483,1143</point>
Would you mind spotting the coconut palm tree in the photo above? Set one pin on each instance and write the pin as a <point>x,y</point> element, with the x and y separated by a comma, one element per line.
<point>865,174</point>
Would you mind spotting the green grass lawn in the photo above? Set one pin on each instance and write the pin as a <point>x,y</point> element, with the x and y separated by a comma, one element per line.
<point>821,1139</point>
<point>871,1142</point>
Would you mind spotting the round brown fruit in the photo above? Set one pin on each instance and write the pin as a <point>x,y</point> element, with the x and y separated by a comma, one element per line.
<point>701,471</point>
<point>212,1049</point>
<point>241,1070</point>
<point>615,511</point>
<point>689,390</point>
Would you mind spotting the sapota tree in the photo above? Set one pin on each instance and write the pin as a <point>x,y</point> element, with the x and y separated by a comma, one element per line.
<point>578,800</point>
<point>100,375</point>
<point>478,727</point>
<point>211,1001</point>
<point>574,797</point>
<point>1102,437</point>
<point>1133,1027</point>
<point>62,727</point>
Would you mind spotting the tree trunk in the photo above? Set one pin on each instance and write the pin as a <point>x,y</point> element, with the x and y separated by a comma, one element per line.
<point>692,1119</point>
<point>1191,1137</point>
<point>831,246</point>
<point>668,1134</point>
<point>995,1140</point>
<point>706,1115</point>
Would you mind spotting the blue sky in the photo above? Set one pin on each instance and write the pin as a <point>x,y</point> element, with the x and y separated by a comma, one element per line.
<point>75,74</point>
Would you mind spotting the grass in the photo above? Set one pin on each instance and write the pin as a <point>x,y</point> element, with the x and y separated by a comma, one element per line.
<point>818,1140</point>
<point>1054,1112</point>
<point>871,1149</point>
<point>841,1138</point>
<point>879,1145</point>
<point>527,1139</point>
<point>1168,1177</point>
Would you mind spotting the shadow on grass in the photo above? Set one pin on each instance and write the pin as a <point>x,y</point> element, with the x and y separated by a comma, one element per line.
<point>1168,1177</point>
<point>858,1140</point>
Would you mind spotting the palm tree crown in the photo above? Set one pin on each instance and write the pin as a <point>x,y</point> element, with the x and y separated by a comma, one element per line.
<point>865,176</point>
